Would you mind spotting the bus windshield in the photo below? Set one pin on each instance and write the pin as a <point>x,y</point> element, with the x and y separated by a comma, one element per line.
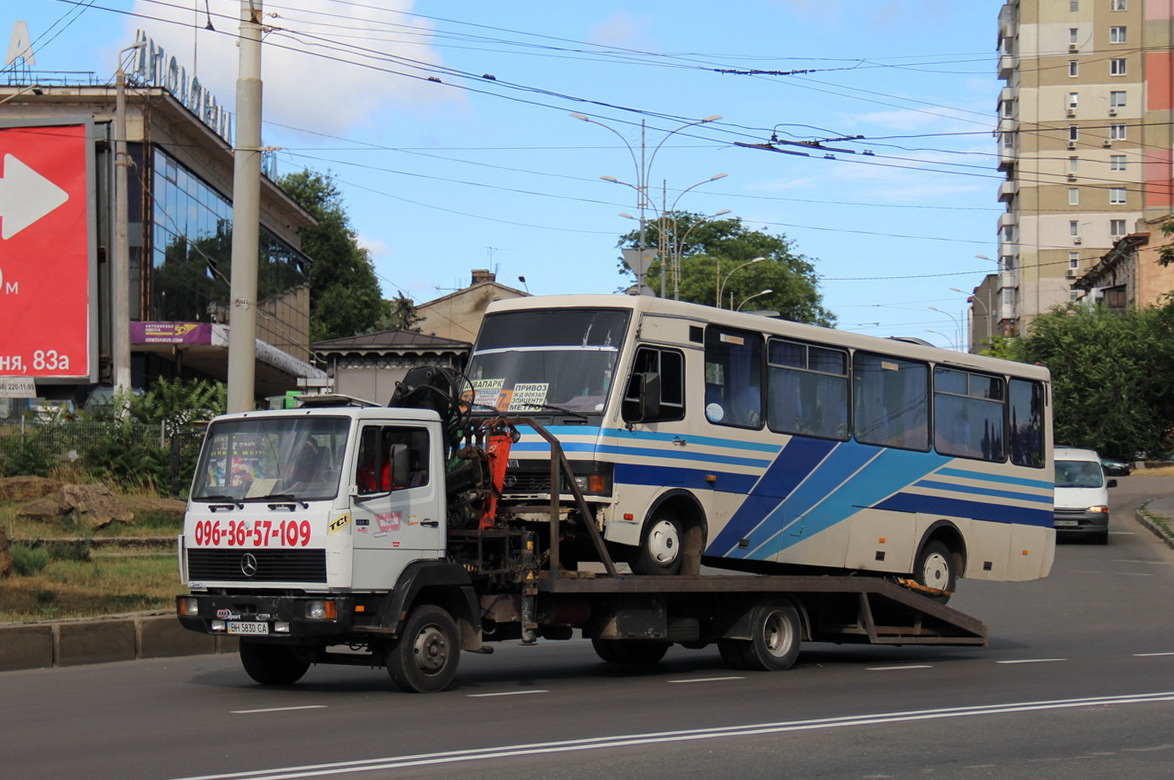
<point>547,360</point>
<point>286,458</point>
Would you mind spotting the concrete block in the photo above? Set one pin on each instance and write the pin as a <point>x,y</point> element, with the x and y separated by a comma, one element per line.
<point>163,637</point>
<point>26,647</point>
<point>97,641</point>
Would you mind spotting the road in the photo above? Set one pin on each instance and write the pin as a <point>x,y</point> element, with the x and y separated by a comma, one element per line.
<point>1078,682</point>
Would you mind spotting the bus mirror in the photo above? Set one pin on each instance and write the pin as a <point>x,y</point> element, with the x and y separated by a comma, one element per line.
<point>648,388</point>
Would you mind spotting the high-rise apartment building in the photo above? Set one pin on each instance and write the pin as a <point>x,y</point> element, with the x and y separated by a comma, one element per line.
<point>1085,136</point>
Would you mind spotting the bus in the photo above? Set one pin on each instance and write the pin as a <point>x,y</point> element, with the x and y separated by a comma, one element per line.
<point>700,436</point>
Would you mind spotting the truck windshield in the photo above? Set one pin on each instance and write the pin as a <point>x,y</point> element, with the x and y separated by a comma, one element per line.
<point>1078,473</point>
<point>547,360</point>
<point>294,458</point>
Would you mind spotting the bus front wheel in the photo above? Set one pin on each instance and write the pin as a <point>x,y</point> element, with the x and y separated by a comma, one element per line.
<point>660,546</point>
<point>936,568</point>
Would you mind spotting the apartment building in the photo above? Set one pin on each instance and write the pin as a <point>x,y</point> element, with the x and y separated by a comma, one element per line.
<point>1085,135</point>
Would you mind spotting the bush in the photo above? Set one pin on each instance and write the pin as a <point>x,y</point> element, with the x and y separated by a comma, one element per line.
<point>27,561</point>
<point>27,454</point>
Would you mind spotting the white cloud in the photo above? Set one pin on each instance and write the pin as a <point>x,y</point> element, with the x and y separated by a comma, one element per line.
<point>376,247</point>
<point>625,30</point>
<point>308,67</point>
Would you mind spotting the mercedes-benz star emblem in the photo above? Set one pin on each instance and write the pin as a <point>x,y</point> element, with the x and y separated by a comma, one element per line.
<point>248,564</point>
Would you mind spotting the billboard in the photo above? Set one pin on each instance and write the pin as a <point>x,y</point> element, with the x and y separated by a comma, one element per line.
<point>47,273</point>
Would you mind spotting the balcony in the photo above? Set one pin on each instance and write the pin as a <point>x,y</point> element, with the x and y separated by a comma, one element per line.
<point>1008,190</point>
<point>1007,66</point>
<point>1008,219</point>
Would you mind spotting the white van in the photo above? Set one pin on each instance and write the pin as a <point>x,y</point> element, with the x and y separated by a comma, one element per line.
<point>1082,495</point>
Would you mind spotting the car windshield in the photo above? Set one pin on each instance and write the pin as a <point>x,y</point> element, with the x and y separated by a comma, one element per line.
<point>1078,473</point>
<point>287,458</point>
<point>547,360</point>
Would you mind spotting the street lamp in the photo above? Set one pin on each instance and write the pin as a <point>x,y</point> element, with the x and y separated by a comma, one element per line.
<point>957,326</point>
<point>986,313</point>
<point>643,168</point>
<point>721,283</point>
<point>943,335</point>
<point>767,291</point>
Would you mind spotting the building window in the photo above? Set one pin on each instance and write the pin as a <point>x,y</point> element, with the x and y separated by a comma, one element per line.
<point>1116,228</point>
<point>1117,163</point>
<point>1116,132</point>
<point>1073,165</point>
<point>1117,35</point>
<point>1073,35</point>
<point>1117,196</point>
<point>1073,228</point>
<point>1117,98</point>
<point>1118,5</point>
<point>1073,99</point>
<point>1073,68</point>
<point>1073,5</point>
<point>1073,259</point>
<point>1073,196</point>
<point>1073,133</point>
<point>1117,67</point>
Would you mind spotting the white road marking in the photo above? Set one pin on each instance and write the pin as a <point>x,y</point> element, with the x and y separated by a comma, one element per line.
<point>897,668</point>
<point>665,737</point>
<point>1134,574</point>
<point>1151,655</point>
<point>507,693</point>
<point>279,709</point>
<point>1033,661</point>
<point>704,679</point>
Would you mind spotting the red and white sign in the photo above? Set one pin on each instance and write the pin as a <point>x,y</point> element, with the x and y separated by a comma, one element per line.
<point>46,256</point>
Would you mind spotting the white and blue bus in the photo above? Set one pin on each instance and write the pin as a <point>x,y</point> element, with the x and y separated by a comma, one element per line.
<point>746,442</point>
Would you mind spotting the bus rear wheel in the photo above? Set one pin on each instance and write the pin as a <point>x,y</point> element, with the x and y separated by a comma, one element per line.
<point>660,546</point>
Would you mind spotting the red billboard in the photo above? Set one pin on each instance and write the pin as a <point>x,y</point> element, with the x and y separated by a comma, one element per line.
<point>46,252</point>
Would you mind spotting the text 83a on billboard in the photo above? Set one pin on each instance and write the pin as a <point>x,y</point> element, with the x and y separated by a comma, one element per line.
<point>46,252</point>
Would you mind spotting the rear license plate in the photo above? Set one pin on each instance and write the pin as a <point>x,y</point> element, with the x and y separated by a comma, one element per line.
<point>252,627</point>
<point>1067,523</point>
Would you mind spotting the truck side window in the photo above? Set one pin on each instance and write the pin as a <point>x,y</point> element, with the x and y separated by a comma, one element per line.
<point>376,471</point>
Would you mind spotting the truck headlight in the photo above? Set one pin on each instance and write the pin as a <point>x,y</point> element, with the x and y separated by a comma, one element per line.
<point>188,607</point>
<point>1099,510</point>
<point>321,610</point>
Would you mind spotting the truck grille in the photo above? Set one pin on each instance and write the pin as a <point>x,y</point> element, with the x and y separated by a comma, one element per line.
<point>257,565</point>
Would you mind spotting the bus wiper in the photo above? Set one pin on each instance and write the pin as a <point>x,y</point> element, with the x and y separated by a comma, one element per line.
<point>560,410</point>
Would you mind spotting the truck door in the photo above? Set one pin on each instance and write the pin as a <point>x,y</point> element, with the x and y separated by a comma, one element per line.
<point>396,503</point>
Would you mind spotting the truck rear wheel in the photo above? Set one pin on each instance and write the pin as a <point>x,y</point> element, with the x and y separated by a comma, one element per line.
<point>775,634</point>
<point>660,546</point>
<point>424,659</point>
<point>271,664</point>
<point>632,652</point>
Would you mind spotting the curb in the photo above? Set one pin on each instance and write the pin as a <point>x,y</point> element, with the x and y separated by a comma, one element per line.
<point>102,640</point>
<point>1146,518</point>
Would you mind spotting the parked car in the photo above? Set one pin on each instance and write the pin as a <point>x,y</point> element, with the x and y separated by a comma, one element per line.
<point>1116,468</point>
<point>1081,504</point>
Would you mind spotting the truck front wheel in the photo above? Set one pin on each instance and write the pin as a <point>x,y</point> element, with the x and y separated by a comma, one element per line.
<point>271,664</point>
<point>424,659</point>
<point>775,634</point>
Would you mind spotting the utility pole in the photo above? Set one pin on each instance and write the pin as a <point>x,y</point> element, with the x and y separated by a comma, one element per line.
<point>120,265</point>
<point>246,215</point>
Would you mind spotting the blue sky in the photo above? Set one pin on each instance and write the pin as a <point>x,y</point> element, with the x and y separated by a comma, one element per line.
<point>441,177</point>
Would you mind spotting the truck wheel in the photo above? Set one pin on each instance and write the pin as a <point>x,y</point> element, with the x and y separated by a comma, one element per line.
<point>935,568</point>
<point>630,652</point>
<point>424,659</point>
<point>271,664</point>
<point>775,634</point>
<point>660,546</point>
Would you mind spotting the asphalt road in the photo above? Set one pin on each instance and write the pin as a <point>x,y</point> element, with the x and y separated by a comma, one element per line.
<point>1078,682</point>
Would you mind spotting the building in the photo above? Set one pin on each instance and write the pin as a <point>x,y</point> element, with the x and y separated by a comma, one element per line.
<point>57,289</point>
<point>1085,134</point>
<point>368,367</point>
<point>1129,276</point>
<point>457,316</point>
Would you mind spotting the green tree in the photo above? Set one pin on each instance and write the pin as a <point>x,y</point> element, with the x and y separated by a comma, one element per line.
<point>710,252</point>
<point>345,298</point>
<point>1111,375</point>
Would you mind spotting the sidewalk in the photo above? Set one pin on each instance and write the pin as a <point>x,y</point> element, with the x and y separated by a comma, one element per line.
<point>1158,515</point>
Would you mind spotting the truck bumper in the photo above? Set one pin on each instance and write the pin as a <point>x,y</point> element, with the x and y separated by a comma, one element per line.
<point>273,617</point>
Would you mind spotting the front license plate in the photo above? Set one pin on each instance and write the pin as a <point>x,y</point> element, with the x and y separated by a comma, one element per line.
<point>252,627</point>
<point>1067,523</point>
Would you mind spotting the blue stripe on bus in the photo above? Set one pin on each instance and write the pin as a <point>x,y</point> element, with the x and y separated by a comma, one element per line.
<point>671,476</point>
<point>1006,480</point>
<point>861,479</point>
<point>975,510</point>
<point>675,453</point>
<point>562,432</point>
<point>981,491</point>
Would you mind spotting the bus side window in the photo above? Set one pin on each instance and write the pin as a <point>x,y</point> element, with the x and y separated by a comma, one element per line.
<point>656,386</point>
<point>733,377</point>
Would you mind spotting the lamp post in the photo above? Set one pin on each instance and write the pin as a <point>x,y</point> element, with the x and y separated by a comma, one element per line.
<point>957,326</point>
<point>943,335</point>
<point>986,314</point>
<point>767,291</point>
<point>721,283</point>
<point>643,165</point>
<point>120,246</point>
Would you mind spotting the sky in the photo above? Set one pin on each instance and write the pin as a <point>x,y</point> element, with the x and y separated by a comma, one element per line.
<point>447,128</point>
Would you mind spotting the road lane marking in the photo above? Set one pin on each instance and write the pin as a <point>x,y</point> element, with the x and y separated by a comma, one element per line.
<point>1033,661</point>
<point>1151,655</point>
<point>387,763</point>
<point>507,693</point>
<point>897,668</point>
<point>279,709</point>
<point>704,679</point>
<point>1134,574</point>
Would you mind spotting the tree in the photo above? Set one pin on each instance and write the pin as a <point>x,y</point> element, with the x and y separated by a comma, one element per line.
<point>1111,375</point>
<point>345,298</point>
<point>710,252</point>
